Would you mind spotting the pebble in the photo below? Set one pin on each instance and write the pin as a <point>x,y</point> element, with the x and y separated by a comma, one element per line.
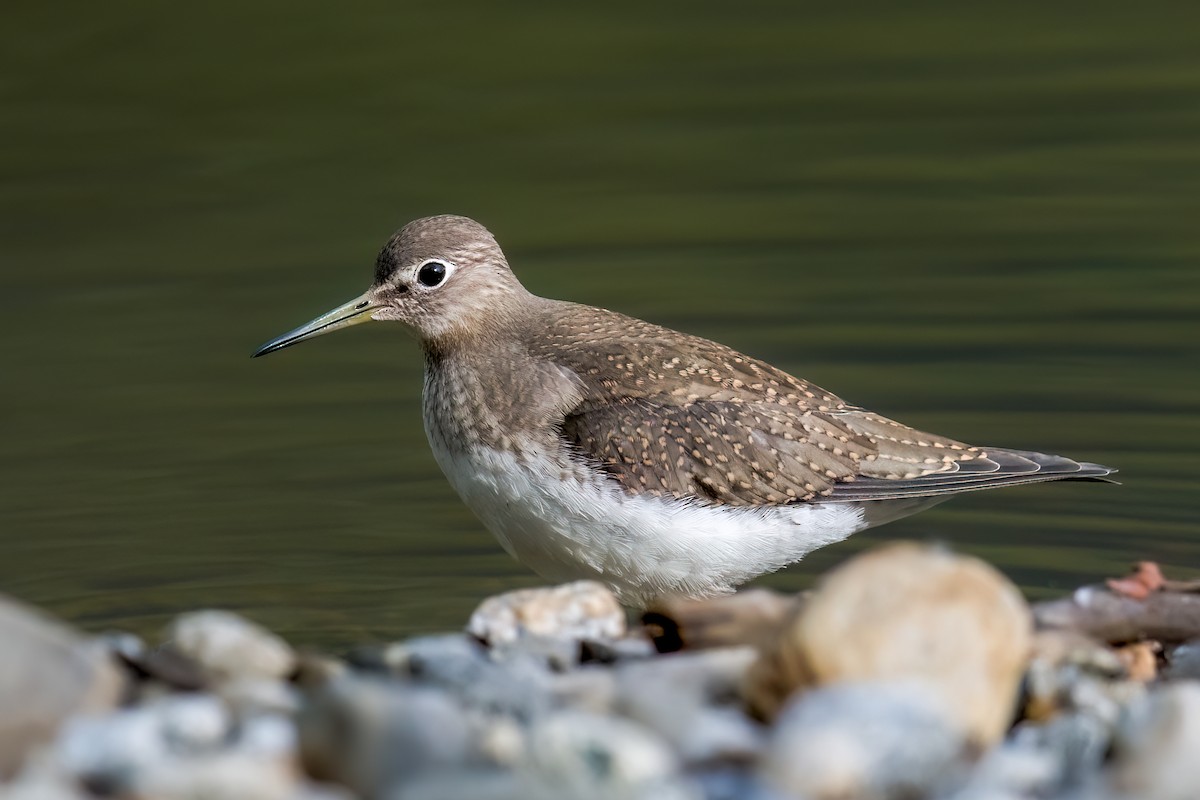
<point>1074,745</point>
<point>225,776</point>
<point>908,612</point>
<point>1156,751</point>
<point>372,734</point>
<point>115,750</point>
<point>867,741</point>
<point>41,778</point>
<point>895,680</point>
<point>692,699</point>
<point>48,673</point>
<point>248,698</point>
<point>1060,661</point>
<point>1013,772</point>
<point>1184,662</point>
<point>507,682</point>
<point>474,784</point>
<point>574,755</point>
<point>228,646</point>
<point>583,610</point>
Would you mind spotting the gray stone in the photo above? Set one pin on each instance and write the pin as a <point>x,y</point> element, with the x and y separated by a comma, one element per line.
<point>373,734</point>
<point>590,688</point>
<point>306,790</point>
<point>116,751</point>
<point>692,700</point>
<point>127,646</point>
<point>515,684</point>
<point>230,775</point>
<point>228,646</point>
<point>728,783</point>
<point>1184,662</point>
<point>1156,752</point>
<point>474,784</point>
<point>39,779</point>
<point>712,676</point>
<point>574,611</point>
<point>573,755</point>
<point>553,653</point>
<point>868,741</point>
<point>251,697</point>
<point>1076,684</point>
<point>611,651</point>
<point>1075,742</point>
<point>48,673</point>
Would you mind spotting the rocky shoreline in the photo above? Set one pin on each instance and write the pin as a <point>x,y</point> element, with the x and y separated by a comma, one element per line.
<point>910,672</point>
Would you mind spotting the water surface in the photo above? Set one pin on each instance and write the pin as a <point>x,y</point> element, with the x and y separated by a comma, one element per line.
<point>978,222</point>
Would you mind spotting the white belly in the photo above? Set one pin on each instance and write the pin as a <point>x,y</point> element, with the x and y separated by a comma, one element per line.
<point>566,527</point>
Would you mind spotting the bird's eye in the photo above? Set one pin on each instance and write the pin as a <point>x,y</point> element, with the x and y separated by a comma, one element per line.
<point>432,273</point>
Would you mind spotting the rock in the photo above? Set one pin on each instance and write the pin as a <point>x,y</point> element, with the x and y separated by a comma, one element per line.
<point>692,699</point>
<point>1140,660</point>
<point>507,681</point>
<point>1073,744</point>
<point>321,791</point>
<point>224,776</point>
<point>228,646</point>
<point>252,697</point>
<point>575,611</point>
<point>1166,616</point>
<point>41,781</point>
<point>711,677</point>
<point>47,674</point>
<point>911,613</point>
<point>611,651</point>
<point>181,747</point>
<point>579,756</point>
<point>726,782</point>
<point>749,617</point>
<point>113,750</point>
<point>1184,662</point>
<point>591,689</point>
<point>1061,661</point>
<point>475,784</point>
<point>373,734</point>
<point>1156,753</point>
<point>867,741</point>
<point>1012,772</point>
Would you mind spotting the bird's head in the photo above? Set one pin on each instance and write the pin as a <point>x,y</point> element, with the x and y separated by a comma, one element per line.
<point>443,277</point>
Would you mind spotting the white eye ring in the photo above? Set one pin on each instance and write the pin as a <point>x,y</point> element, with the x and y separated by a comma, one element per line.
<point>434,273</point>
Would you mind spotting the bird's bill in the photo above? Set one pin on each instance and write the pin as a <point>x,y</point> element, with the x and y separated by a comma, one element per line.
<point>357,310</point>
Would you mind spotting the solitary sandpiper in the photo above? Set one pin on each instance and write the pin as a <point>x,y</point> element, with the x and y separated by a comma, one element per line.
<point>597,445</point>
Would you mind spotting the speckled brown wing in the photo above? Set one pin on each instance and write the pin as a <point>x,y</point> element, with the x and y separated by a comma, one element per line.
<point>673,415</point>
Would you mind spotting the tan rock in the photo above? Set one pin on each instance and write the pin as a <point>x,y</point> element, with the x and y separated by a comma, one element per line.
<point>907,612</point>
<point>579,610</point>
<point>1141,660</point>
<point>48,672</point>
<point>227,646</point>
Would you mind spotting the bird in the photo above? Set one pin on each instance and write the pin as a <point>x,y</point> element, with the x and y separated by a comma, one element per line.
<point>594,445</point>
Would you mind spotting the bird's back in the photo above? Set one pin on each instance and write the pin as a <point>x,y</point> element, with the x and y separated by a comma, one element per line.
<point>669,414</point>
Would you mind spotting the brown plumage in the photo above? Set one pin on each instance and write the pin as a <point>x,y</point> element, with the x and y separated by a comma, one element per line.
<point>669,414</point>
<point>597,445</point>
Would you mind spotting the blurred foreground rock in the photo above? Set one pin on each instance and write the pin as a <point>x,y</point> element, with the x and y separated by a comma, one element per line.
<point>48,673</point>
<point>580,610</point>
<point>909,674</point>
<point>906,612</point>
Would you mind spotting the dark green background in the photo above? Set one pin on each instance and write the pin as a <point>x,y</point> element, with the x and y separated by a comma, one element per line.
<point>980,220</point>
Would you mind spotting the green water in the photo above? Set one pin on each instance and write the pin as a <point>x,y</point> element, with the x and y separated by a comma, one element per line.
<point>981,222</point>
